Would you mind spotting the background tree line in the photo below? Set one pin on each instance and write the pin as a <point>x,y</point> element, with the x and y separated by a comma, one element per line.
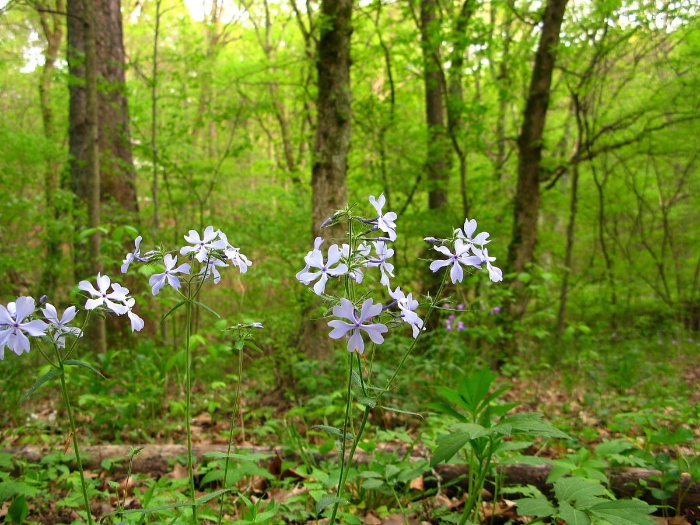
<point>567,128</point>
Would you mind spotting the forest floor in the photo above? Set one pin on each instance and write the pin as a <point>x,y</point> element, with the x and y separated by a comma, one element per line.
<point>593,409</point>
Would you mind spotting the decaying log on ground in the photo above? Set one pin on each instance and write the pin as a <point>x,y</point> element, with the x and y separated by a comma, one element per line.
<point>158,460</point>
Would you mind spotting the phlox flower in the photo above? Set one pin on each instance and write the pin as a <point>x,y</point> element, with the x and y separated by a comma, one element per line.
<point>457,259</point>
<point>158,280</point>
<point>136,322</point>
<point>13,328</point>
<point>314,259</point>
<point>384,221</point>
<point>383,252</point>
<point>234,254</point>
<point>101,295</point>
<point>356,260</point>
<point>495,274</point>
<point>407,304</point>
<point>210,270</point>
<point>201,246</point>
<point>318,241</point>
<point>131,257</point>
<point>468,232</point>
<point>59,327</point>
<point>347,310</point>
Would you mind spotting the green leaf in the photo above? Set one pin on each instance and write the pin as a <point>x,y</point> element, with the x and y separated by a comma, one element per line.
<point>580,490</point>
<point>475,389</point>
<point>134,451</point>
<point>326,500</point>
<point>18,511</point>
<point>370,402</point>
<point>573,516</point>
<point>199,501</point>
<point>212,475</point>
<point>178,305</point>
<point>448,446</point>
<point>333,431</point>
<point>11,489</point>
<point>48,376</point>
<point>446,409</point>
<point>202,305</point>
<point>75,362</point>
<point>623,512</point>
<point>398,411</point>
<point>532,423</point>
<point>538,507</point>
<point>372,484</point>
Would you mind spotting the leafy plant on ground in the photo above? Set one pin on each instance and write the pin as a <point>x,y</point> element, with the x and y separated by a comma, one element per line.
<point>480,430</point>
<point>582,501</point>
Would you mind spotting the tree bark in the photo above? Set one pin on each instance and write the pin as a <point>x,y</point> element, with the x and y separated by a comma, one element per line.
<point>438,162</point>
<point>331,145</point>
<point>521,251</point>
<point>117,185</point>
<point>101,162</point>
<point>332,138</point>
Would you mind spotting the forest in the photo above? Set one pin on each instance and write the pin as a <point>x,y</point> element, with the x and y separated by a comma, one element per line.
<point>218,216</point>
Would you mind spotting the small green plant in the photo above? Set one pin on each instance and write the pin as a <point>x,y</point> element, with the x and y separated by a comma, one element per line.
<point>582,501</point>
<point>480,430</point>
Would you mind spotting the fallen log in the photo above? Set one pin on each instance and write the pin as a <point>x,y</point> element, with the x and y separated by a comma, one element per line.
<point>158,460</point>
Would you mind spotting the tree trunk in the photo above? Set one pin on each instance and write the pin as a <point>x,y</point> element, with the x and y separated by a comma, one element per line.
<point>117,185</point>
<point>437,164</point>
<point>521,250</point>
<point>332,142</point>
<point>101,162</point>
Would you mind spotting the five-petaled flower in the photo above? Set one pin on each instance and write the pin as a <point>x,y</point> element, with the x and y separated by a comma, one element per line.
<point>59,328</point>
<point>384,221</point>
<point>457,259</point>
<point>158,280</point>
<point>114,300</point>
<point>13,328</point>
<point>136,322</point>
<point>347,310</point>
<point>234,254</point>
<point>201,246</point>
<point>210,270</point>
<point>407,305</point>
<point>468,232</point>
<point>383,252</point>
<point>314,259</point>
<point>131,257</point>
<point>495,274</point>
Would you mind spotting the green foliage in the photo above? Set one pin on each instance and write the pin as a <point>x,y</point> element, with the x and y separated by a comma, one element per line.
<point>581,500</point>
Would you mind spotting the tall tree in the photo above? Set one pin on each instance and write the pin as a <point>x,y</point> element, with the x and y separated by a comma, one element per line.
<point>101,162</point>
<point>521,250</point>
<point>117,188</point>
<point>332,139</point>
<point>438,163</point>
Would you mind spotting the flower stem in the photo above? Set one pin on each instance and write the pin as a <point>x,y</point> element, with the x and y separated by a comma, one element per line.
<point>76,449</point>
<point>188,402</point>
<point>410,349</point>
<point>236,406</point>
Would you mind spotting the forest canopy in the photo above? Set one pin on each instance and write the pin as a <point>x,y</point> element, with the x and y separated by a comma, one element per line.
<point>567,128</point>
